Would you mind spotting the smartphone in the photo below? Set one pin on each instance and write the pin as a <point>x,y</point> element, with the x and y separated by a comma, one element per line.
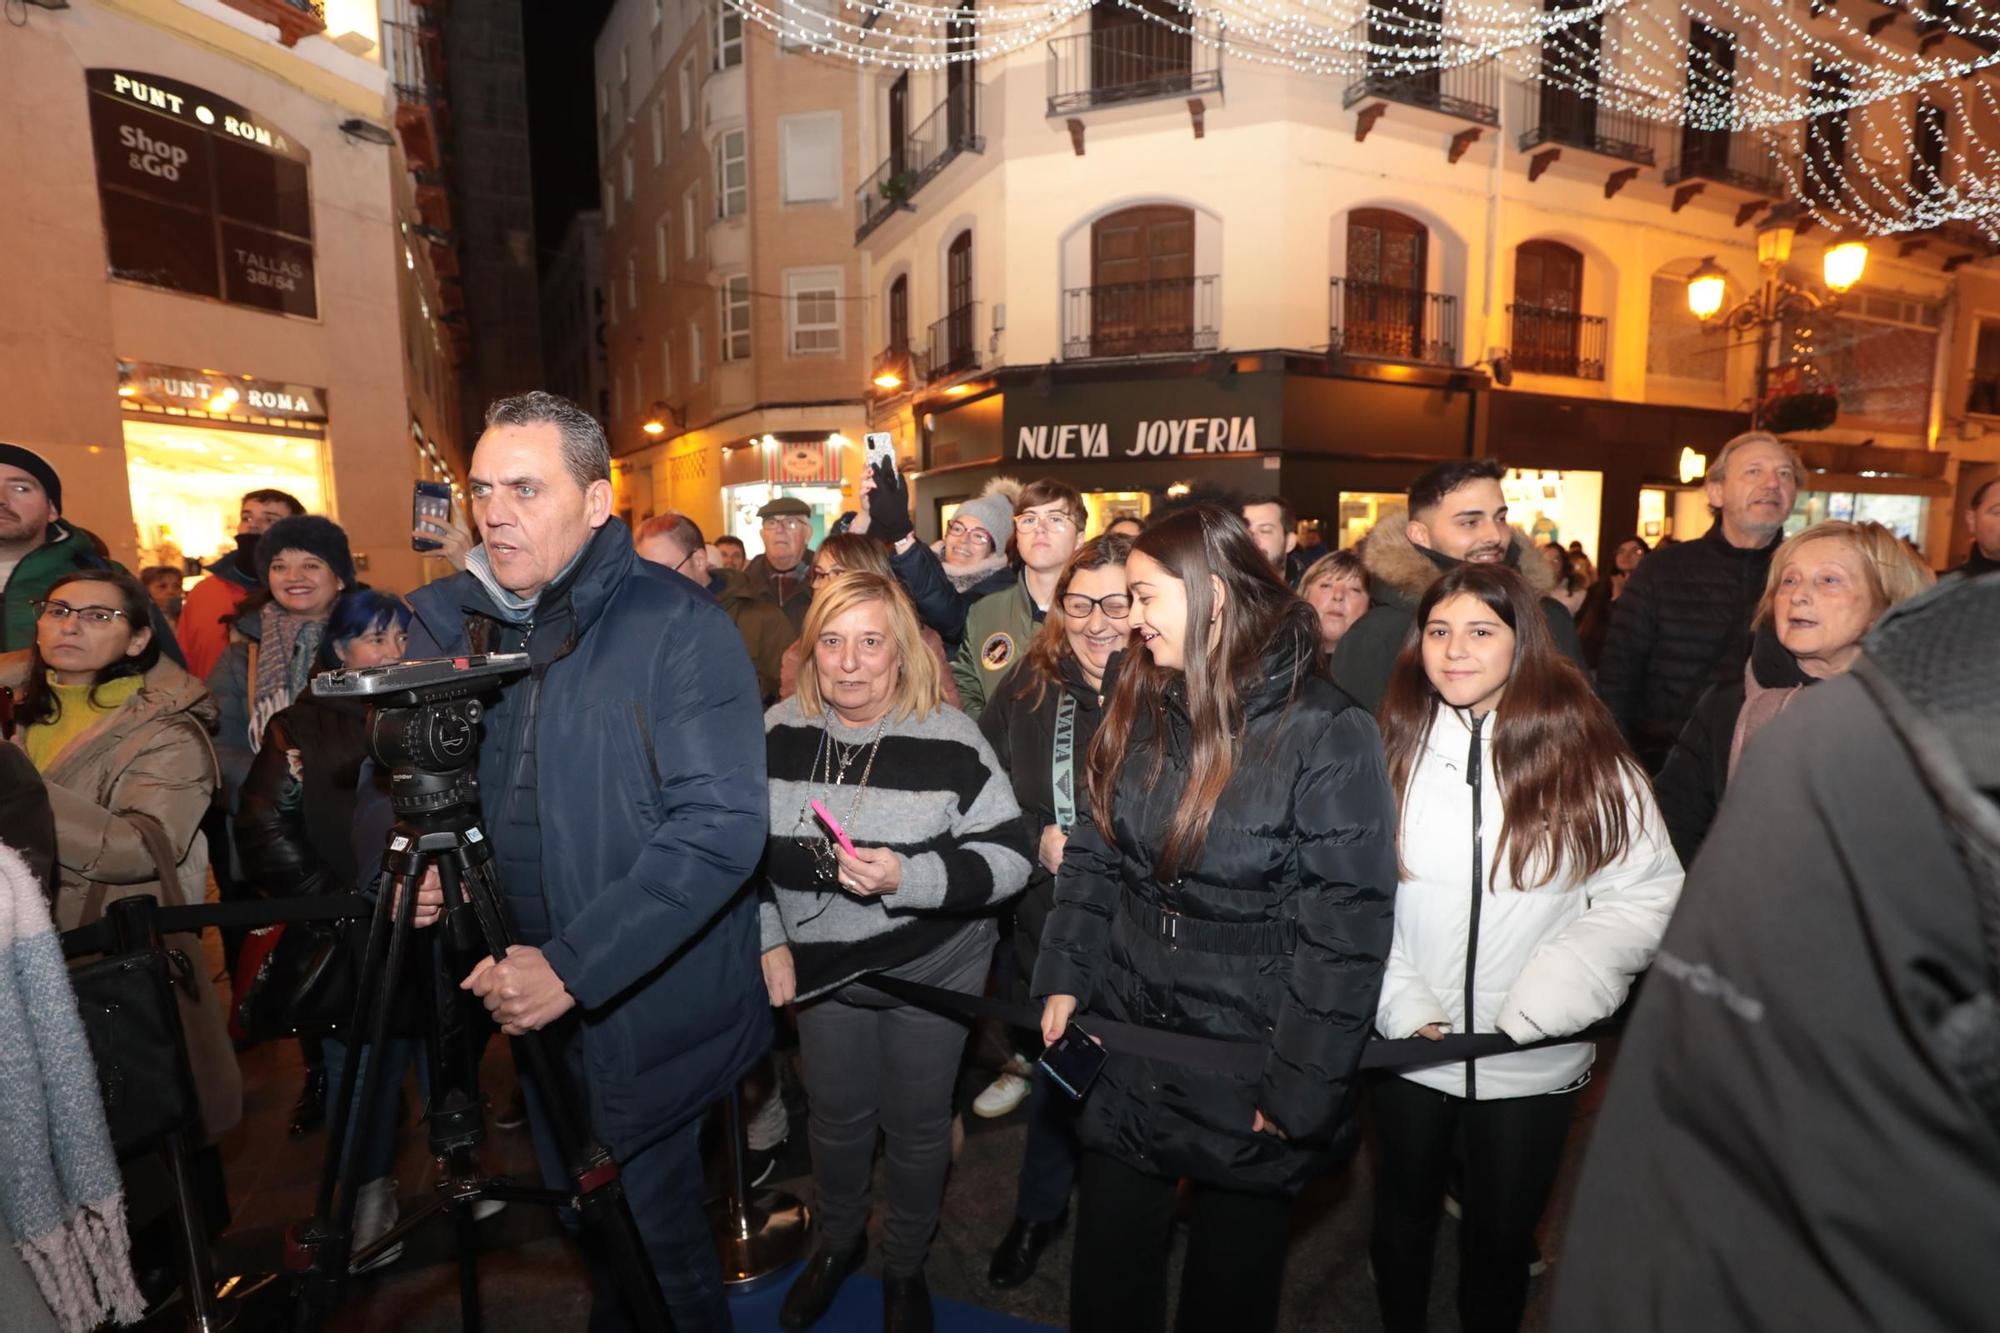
<point>1074,1061</point>
<point>431,503</point>
<point>879,449</point>
<point>833,827</point>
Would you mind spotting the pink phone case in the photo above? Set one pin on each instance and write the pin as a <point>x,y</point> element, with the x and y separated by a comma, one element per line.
<point>833,827</point>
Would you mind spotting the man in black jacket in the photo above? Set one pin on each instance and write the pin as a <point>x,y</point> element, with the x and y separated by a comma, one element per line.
<point>1683,621</point>
<point>1983,516</point>
<point>1804,1131</point>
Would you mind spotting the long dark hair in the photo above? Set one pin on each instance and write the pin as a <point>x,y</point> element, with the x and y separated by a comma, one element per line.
<point>1564,772</point>
<point>39,703</point>
<point>1049,649</point>
<point>1195,545</point>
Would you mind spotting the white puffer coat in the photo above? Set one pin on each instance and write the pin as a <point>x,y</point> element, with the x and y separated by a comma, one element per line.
<point>1549,961</point>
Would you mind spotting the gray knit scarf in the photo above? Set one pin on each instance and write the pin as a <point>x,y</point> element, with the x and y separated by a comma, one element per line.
<point>286,646</point>
<point>60,1192</point>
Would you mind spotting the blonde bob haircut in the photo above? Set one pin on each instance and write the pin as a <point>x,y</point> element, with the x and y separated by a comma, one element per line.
<point>1890,573</point>
<point>918,692</point>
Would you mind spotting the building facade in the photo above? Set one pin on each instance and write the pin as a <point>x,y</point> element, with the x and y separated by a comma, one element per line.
<point>209,216</point>
<point>574,362</point>
<point>733,288</point>
<point>1125,256</point>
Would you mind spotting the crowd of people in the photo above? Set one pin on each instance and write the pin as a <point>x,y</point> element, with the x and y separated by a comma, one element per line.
<point>1180,774</point>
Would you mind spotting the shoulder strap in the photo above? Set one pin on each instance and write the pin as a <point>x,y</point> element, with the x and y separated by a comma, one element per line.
<point>161,848</point>
<point>1062,759</point>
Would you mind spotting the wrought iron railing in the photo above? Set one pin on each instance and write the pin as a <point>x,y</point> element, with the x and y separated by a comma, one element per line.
<point>1556,342</point>
<point>1152,318</point>
<point>409,68</point>
<point>1560,116</point>
<point>951,129</point>
<point>1375,319</point>
<point>1446,81</point>
<point>1740,160</point>
<point>954,344</point>
<point>1133,62</point>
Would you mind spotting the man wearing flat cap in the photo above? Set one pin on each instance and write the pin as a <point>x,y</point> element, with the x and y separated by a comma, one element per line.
<point>781,576</point>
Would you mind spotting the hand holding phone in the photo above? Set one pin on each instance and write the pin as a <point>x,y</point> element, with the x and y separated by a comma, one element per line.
<point>833,827</point>
<point>430,502</point>
<point>1074,1060</point>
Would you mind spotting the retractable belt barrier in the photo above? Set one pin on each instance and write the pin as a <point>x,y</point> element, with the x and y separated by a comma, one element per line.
<point>1243,1059</point>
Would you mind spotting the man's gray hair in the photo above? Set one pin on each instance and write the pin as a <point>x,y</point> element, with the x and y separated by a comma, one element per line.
<point>1718,468</point>
<point>585,451</point>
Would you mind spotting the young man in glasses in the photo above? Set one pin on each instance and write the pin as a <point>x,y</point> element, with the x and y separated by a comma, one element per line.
<point>1048,526</point>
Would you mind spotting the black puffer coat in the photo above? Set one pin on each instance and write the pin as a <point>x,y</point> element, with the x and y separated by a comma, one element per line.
<point>1681,625</point>
<point>1690,785</point>
<point>1022,732</point>
<point>1284,922</point>
<point>294,829</point>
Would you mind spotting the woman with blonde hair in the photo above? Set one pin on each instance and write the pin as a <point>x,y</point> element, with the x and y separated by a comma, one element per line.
<point>857,553</point>
<point>920,837</point>
<point>1828,585</point>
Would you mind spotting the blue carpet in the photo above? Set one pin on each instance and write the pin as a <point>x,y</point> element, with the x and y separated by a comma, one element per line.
<point>858,1309</point>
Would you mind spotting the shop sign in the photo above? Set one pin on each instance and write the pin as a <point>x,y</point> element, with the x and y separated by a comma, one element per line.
<point>200,195</point>
<point>1176,418</point>
<point>1149,439</point>
<point>153,385</point>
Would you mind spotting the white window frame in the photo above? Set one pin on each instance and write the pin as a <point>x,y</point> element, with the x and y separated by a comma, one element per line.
<point>691,222</point>
<point>697,371</point>
<point>611,304</point>
<point>685,84</point>
<point>660,247</point>
<point>659,12</point>
<point>610,203</point>
<point>788,157</point>
<point>625,80</point>
<point>632,282</point>
<point>666,365</point>
<point>625,172</point>
<point>728,48</point>
<point>733,342</point>
<point>659,120</point>
<point>801,282</point>
<point>732,201</point>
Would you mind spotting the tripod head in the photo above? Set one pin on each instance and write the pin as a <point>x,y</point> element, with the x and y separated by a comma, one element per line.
<point>423,725</point>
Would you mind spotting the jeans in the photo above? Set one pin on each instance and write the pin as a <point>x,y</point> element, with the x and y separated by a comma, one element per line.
<point>1512,1148</point>
<point>872,1063</point>
<point>665,1188</point>
<point>1235,1256</point>
<point>373,1127</point>
<point>1048,1159</point>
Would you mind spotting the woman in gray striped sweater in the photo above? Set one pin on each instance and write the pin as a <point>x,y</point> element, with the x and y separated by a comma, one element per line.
<point>937,841</point>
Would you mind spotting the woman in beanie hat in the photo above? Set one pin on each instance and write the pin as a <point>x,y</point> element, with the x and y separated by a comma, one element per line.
<point>303,565</point>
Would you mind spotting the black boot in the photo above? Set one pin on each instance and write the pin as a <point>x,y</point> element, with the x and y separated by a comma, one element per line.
<point>813,1290</point>
<point>906,1303</point>
<point>309,1111</point>
<point>1020,1250</point>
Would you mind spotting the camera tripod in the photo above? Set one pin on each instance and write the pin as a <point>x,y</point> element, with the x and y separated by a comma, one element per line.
<point>438,826</point>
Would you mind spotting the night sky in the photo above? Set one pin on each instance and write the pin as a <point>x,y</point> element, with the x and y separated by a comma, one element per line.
<point>562,111</point>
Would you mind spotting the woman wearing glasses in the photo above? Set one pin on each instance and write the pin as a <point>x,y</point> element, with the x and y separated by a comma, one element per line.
<point>1040,722</point>
<point>849,553</point>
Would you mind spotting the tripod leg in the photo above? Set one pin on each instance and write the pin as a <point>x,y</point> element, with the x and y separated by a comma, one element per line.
<point>197,1275</point>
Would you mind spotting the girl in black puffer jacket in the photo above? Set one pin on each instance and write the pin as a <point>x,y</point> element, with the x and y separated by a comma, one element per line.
<point>1234,881</point>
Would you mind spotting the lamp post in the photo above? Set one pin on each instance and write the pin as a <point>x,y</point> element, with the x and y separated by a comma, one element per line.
<point>1777,298</point>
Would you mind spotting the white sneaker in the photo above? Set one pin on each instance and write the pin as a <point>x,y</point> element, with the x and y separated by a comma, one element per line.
<point>1001,1096</point>
<point>375,1212</point>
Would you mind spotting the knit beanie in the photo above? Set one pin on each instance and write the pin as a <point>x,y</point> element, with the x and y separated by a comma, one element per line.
<point>309,533</point>
<point>32,463</point>
<point>993,510</point>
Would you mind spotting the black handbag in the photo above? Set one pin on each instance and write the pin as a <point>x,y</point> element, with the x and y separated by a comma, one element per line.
<point>132,1020</point>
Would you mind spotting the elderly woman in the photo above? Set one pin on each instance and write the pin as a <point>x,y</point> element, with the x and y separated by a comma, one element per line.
<point>1336,587</point>
<point>1827,586</point>
<point>928,838</point>
<point>856,553</point>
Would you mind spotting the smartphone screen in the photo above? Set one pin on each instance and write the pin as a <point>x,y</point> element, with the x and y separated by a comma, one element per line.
<point>1074,1062</point>
<point>430,503</point>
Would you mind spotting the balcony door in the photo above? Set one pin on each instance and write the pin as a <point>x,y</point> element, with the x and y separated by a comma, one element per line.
<point>1142,281</point>
<point>958,78</point>
<point>958,291</point>
<point>1415,27</point>
<point>1132,55</point>
<point>1387,257</point>
<point>899,316</point>
<point>1548,296</point>
<point>899,125</point>
<point>1826,137</point>
<point>1569,69</point>
<point>1711,100</point>
<point>1927,163</point>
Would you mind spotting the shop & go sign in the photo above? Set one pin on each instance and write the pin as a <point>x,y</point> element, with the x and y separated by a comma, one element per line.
<point>147,384</point>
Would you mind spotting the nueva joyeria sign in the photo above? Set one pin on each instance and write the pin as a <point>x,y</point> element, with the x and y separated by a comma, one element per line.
<point>1138,419</point>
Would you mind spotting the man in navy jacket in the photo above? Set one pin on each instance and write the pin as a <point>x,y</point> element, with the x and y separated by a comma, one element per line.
<point>622,782</point>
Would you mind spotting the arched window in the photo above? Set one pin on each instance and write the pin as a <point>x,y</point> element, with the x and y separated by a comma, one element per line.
<point>1548,296</point>
<point>959,321</point>
<point>1383,303</point>
<point>1142,281</point>
<point>899,314</point>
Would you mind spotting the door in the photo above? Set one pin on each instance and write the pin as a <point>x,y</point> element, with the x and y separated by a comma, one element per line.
<point>1384,301</point>
<point>899,125</point>
<point>1548,290</point>
<point>899,316</point>
<point>1569,70</point>
<point>1412,26</point>
<point>1711,96</point>
<point>958,290</point>
<point>1142,281</point>
<point>1826,137</point>
<point>1131,55</point>
<point>1927,164</point>
<point>958,80</point>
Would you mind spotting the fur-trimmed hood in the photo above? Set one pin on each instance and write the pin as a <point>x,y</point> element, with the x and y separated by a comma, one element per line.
<point>964,578</point>
<point>1400,572</point>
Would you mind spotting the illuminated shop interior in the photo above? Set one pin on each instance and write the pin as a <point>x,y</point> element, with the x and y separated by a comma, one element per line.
<point>188,483</point>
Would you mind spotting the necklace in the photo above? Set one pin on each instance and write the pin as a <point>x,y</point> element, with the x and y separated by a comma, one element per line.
<point>828,773</point>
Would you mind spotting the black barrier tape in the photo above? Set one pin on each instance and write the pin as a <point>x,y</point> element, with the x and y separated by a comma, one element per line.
<point>1244,1059</point>
<point>96,937</point>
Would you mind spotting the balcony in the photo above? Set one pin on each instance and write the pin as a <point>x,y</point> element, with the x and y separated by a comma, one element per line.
<point>1461,89</point>
<point>1155,318</point>
<point>1379,321</point>
<point>1562,117</point>
<point>1556,342</point>
<point>951,129</point>
<point>954,344</point>
<point>1133,62</point>
<point>293,18</point>
<point>413,55</point>
<point>1740,161</point>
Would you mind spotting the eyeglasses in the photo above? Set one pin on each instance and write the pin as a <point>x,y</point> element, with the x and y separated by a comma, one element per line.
<point>819,576</point>
<point>1116,606</point>
<point>684,559</point>
<point>1030,521</point>
<point>790,521</point>
<point>963,530</point>
<point>57,612</point>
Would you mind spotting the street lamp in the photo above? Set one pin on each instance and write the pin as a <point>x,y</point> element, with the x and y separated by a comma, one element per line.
<point>660,414</point>
<point>1778,298</point>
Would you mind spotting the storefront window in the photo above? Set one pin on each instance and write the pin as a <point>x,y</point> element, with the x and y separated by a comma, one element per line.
<point>1901,514</point>
<point>1107,507</point>
<point>188,483</point>
<point>1555,508</point>
<point>741,503</point>
<point>1359,511</point>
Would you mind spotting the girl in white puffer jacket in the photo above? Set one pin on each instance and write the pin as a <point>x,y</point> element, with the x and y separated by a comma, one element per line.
<point>1536,882</point>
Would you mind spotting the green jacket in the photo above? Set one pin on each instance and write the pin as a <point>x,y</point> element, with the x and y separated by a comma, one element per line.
<point>68,548</point>
<point>766,630</point>
<point>997,631</point>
